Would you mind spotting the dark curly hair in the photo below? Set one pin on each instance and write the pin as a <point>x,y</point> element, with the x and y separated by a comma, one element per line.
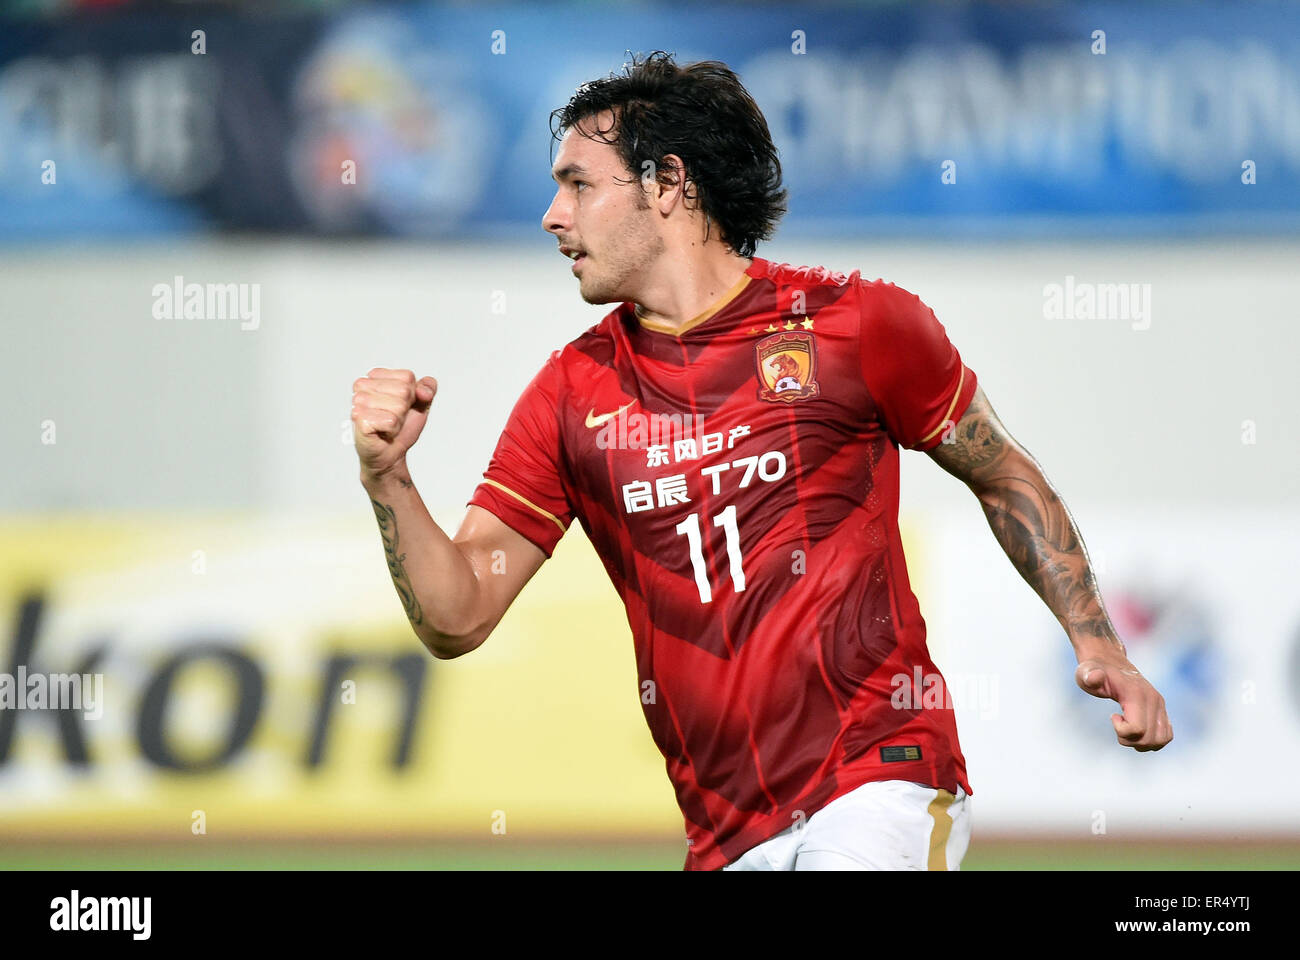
<point>702,113</point>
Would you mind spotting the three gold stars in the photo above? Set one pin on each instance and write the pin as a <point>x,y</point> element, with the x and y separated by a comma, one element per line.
<point>806,323</point>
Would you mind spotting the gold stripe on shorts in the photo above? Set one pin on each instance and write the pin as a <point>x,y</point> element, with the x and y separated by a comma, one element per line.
<point>942,818</point>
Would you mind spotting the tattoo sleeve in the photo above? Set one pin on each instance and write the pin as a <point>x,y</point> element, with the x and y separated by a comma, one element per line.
<point>388,531</point>
<point>1029,520</point>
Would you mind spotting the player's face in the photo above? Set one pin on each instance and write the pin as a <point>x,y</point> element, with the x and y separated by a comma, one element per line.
<point>601,216</point>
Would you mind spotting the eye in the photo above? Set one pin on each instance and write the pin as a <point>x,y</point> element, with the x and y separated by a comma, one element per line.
<point>579,184</point>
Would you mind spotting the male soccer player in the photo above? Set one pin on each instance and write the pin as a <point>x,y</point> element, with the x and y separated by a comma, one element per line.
<point>728,438</point>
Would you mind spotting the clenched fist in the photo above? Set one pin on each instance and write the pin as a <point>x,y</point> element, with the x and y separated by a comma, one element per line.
<point>389,410</point>
<point>1144,723</point>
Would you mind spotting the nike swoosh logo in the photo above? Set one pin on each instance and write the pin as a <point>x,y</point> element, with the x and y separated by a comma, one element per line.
<point>596,421</point>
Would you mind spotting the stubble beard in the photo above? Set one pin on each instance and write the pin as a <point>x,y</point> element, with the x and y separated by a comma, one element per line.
<point>635,245</point>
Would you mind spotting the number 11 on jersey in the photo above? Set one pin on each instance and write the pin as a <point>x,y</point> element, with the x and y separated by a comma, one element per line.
<point>727,521</point>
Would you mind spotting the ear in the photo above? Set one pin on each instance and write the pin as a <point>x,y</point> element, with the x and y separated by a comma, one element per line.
<point>676,189</point>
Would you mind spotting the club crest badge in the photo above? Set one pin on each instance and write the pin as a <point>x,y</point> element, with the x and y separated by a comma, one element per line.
<point>787,367</point>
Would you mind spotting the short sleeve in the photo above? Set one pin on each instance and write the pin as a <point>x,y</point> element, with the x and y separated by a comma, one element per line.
<point>914,374</point>
<point>522,484</point>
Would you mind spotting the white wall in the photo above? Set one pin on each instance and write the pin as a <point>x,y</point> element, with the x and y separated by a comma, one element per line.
<point>202,414</point>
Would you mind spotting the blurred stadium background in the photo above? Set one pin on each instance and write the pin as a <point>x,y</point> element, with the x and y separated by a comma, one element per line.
<point>179,505</point>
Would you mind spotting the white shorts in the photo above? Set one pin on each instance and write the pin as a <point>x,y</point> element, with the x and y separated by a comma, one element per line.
<point>883,825</point>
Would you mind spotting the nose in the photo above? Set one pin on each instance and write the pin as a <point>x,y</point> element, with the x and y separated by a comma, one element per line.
<point>556,217</point>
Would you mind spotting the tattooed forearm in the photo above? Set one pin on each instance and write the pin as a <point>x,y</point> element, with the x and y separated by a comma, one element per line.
<point>1039,536</point>
<point>388,530</point>
<point>1029,520</point>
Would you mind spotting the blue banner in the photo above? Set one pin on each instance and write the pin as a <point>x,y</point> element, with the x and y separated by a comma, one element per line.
<point>432,121</point>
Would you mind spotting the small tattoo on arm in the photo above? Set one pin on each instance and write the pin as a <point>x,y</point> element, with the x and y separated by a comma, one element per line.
<point>388,531</point>
<point>977,445</point>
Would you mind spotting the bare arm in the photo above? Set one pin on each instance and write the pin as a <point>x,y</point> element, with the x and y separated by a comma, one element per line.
<point>1035,529</point>
<point>454,591</point>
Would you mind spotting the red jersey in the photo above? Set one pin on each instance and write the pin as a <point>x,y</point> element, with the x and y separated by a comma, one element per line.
<point>739,480</point>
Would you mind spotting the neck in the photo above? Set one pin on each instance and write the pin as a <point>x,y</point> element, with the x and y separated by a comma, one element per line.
<point>688,285</point>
